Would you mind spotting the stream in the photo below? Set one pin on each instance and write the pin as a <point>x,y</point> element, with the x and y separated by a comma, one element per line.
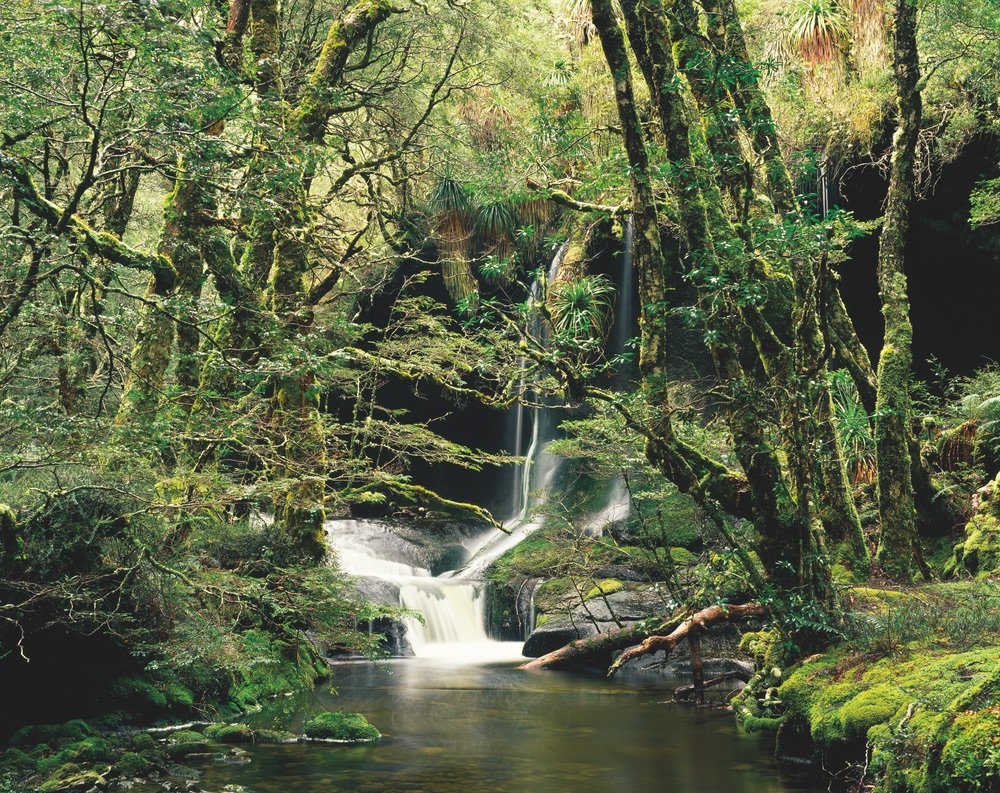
<point>460,717</point>
<point>465,728</point>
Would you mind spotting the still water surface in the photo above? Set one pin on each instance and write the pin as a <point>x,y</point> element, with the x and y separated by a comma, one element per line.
<point>492,728</point>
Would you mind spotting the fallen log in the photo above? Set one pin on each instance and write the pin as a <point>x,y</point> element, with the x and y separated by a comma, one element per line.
<point>604,645</point>
<point>696,623</point>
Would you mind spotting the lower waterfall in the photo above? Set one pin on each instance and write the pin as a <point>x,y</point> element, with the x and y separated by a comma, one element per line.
<point>451,622</point>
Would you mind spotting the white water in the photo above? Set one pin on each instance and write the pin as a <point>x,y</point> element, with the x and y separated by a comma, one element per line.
<point>453,613</point>
<point>618,504</point>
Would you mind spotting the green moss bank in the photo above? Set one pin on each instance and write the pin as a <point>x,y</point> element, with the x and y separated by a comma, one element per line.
<point>928,722</point>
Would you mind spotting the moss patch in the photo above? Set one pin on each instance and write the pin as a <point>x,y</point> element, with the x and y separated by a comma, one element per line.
<point>606,586</point>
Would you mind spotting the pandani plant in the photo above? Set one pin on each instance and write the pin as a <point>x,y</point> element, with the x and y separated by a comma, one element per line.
<point>819,34</point>
<point>581,307</point>
<point>454,225</point>
<point>853,427</point>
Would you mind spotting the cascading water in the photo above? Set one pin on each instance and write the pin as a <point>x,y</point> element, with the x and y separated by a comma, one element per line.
<point>452,604</point>
<point>390,570</point>
<point>536,472</point>
<point>618,503</point>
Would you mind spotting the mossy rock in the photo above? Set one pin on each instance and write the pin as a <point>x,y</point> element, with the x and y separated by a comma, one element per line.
<point>52,734</point>
<point>606,586</point>
<point>971,755</point>
<point>273,736</point>
<point>93,750</point>
<point>229,733</point>
<point>185,736</point>
<point>71,777</point>
<point>979,554</point>
<point>341,727</point>
<point>683,556</point>
<point>144,742</point>
<point>243,733</point>
<point>19,760</point>
<point>929,721</point>
<point>185,742</point>
<point>132,764</point>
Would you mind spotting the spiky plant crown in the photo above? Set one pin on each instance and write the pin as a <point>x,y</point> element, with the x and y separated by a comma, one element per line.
<point>581,308</point>
<point>819,30</point>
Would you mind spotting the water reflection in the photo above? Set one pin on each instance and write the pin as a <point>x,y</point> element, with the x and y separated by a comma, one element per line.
<point>465,729</point>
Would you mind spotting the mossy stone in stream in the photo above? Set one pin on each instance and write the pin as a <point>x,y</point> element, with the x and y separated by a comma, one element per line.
<point>185,742</point>
<point>71,777</point>
<point>132,764</point>
<point>229,733</point>
<point>342,727</point>
<point>144,742</point>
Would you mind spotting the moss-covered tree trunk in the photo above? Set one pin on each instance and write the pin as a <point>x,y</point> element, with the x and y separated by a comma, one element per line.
<point>700,209</point>
<point>155,333</point>
<point>897,552</point>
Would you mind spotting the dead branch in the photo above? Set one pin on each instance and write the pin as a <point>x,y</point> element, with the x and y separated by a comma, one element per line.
<point>697,623</point>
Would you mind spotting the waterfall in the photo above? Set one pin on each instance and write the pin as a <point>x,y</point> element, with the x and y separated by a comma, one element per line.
<point>539,468</point>
<point>624,327</point>
<point>389,570</point>
<point>452,605</point>
<point>617,503</point>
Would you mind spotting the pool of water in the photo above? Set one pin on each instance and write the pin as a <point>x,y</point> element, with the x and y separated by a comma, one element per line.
<point>493,728</point>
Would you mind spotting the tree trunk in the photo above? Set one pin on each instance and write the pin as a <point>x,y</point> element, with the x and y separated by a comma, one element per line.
<point>898,534</point>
